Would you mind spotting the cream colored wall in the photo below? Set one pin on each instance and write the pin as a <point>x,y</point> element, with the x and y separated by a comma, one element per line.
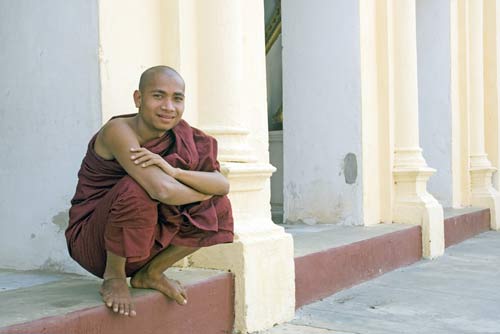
<point>491,85</point>
<point>386,133</point>
<point>460,117</point>
<point>377,133</point>
<point>133,37</point>
<point>396,174</point>
<point>370,111</point>
<point>232,95</point>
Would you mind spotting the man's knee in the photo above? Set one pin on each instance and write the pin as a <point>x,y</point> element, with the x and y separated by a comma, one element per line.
<point>131,224</point>
<point>132,205</point>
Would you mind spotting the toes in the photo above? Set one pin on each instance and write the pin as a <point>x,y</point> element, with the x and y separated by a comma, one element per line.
<point>116,307</point>
<point>184,295</point>
<point>122,308</point>
<point>126,309</point>
<point>180,299</point>
<point>108,301</point>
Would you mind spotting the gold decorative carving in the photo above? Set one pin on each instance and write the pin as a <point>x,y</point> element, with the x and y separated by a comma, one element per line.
<point>273,27</point>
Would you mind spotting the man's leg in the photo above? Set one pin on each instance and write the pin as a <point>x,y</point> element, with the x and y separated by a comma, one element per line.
<point>114,288</point>
<point>117,239</point>
<point>151,275</point>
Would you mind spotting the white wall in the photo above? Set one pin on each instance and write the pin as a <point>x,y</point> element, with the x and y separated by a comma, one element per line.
<point>322,110</point>
<point>50,108</point>
<point>434,85</point>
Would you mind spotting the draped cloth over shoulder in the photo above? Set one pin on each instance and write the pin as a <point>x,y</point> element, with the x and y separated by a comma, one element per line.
<point>111,212</point>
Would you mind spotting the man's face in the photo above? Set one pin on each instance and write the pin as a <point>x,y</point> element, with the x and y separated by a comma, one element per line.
<point>161,102</point>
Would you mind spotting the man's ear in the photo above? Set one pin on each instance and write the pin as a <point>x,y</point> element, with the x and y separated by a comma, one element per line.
<point>137,98</point>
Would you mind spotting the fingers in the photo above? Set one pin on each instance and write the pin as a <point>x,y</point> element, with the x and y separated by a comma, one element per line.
<point>139,149</point>
<point>144,157</point>
<point>139,152</point>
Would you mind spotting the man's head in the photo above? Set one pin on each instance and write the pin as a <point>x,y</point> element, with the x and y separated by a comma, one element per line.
<point>148,75</point>
<point>160,98</point>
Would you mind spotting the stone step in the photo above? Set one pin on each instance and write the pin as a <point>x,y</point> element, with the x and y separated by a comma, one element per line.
<point>355,254</point>
<point>328,258</point>
<point>331,258</point>
<point>462,224</point>
<point>36,302</point>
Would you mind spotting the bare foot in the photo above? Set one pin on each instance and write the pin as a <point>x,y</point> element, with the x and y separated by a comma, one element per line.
<point>116,296</point>
<point>170,288</point>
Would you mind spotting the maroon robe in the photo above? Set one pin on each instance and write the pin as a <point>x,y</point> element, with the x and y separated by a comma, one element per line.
<point>112,212</point>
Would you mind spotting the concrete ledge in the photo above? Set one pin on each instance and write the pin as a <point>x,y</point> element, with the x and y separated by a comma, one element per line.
<point>321,274</point>
<point>461,226</point>
<point>328,258</point>
<point>210,310</point>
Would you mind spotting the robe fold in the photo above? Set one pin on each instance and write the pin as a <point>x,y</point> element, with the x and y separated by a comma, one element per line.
<point>111,212</point>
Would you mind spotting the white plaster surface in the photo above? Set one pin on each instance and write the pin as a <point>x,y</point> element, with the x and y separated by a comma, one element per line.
<point>50,108</point>
<point>434,85</point>
<point>322,110</point>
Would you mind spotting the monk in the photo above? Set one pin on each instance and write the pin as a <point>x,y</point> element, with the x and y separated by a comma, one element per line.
<point>149,193</point>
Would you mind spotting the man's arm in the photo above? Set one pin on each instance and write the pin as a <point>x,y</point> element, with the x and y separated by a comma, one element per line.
<point>117,138</point>
<point>211,183</point>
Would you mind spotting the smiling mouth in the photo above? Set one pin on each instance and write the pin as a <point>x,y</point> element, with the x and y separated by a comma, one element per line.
<point>166,117</point>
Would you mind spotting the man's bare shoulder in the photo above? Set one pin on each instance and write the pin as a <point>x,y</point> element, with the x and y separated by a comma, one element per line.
<point>116,132</point>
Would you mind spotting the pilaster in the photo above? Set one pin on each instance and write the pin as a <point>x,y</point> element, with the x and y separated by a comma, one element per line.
<point>492,84</point>
<point>412,203</point>
<point>231,106</point>
<point>482,192</point>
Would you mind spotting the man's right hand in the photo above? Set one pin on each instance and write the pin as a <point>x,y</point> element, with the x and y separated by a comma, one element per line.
<point>145,158</point>
<point>115,140</point>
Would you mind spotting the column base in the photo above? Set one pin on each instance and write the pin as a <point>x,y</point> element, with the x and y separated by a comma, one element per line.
<point>264,272</point>
<point>483,194</point>
<point>261,256</point>
<point>414,205</point>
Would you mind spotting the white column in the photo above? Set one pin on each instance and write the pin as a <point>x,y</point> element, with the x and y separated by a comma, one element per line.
<point>482,192</point>
<point>231,102</point>
<point>492,85</point>
<point>412,203</point>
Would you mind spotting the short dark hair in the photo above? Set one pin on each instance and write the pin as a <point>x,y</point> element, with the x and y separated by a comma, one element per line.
<point>148,74</point>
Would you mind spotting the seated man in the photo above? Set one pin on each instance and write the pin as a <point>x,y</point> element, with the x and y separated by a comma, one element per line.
<point>149,193</point>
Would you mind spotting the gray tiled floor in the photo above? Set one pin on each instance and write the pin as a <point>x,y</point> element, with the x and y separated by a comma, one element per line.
<point>456,293</point>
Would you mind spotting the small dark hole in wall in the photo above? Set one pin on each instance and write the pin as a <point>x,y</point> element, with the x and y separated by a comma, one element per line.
<point>350,168</point>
